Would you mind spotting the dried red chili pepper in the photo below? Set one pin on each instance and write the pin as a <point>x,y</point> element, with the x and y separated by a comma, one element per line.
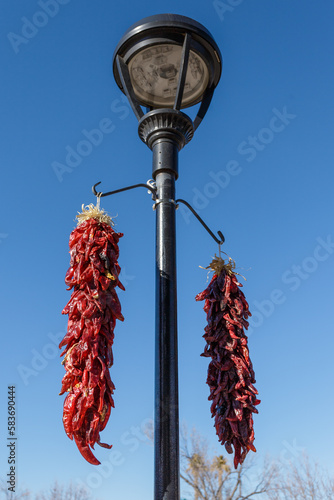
<point>92,312</point>
<point>230,372</point>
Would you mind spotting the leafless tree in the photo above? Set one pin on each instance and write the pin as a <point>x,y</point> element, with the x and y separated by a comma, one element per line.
<point>213,477</point>
<point>60,492</point>
<point>6,494</point>
<point>303,479</point>
<point>56,492</point>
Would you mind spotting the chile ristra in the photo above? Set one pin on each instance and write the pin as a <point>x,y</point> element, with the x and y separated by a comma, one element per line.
<point>230,373</point>
<point>92,312</point>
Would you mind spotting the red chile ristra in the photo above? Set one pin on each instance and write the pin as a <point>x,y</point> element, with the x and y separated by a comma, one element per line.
<point>230,373</point>
<point>92,312</point>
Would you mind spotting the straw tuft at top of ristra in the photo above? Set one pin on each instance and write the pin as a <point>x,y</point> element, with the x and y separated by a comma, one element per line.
<point>218,265</point>
<point>94,212</point>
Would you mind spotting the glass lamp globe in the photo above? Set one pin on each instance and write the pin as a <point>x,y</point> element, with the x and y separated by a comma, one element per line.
<point>154,74</point>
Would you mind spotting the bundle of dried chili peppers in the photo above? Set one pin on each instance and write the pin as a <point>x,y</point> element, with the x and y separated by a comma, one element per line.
<point>92,312</point>
<point>230,373</point>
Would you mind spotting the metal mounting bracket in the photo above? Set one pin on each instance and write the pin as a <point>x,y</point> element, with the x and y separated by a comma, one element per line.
<point>151,186</point>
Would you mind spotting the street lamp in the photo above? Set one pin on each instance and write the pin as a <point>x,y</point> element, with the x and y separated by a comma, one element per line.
<point>167,63</point>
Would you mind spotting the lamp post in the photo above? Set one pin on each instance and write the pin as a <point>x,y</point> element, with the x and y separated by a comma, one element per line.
<point>166,63</point>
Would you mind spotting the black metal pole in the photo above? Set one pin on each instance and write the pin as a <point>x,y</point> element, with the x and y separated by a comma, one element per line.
<point>166,436</point>
<point>166,132</point>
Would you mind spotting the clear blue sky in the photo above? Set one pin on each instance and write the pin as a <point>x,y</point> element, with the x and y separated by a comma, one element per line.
<point>272,116</point>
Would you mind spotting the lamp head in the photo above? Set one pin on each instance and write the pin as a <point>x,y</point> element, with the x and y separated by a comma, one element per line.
<point>153,53</point>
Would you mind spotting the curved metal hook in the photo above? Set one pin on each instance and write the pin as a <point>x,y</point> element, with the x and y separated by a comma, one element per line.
<point>147,186</point>
<point>220,234</point>
<point>94,188</point>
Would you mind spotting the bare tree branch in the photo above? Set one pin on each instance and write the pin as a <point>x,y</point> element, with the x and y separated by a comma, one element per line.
<point>9,495</point>
<point>59,492</point>
<point>212,478</point>
<point>303,479</point>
